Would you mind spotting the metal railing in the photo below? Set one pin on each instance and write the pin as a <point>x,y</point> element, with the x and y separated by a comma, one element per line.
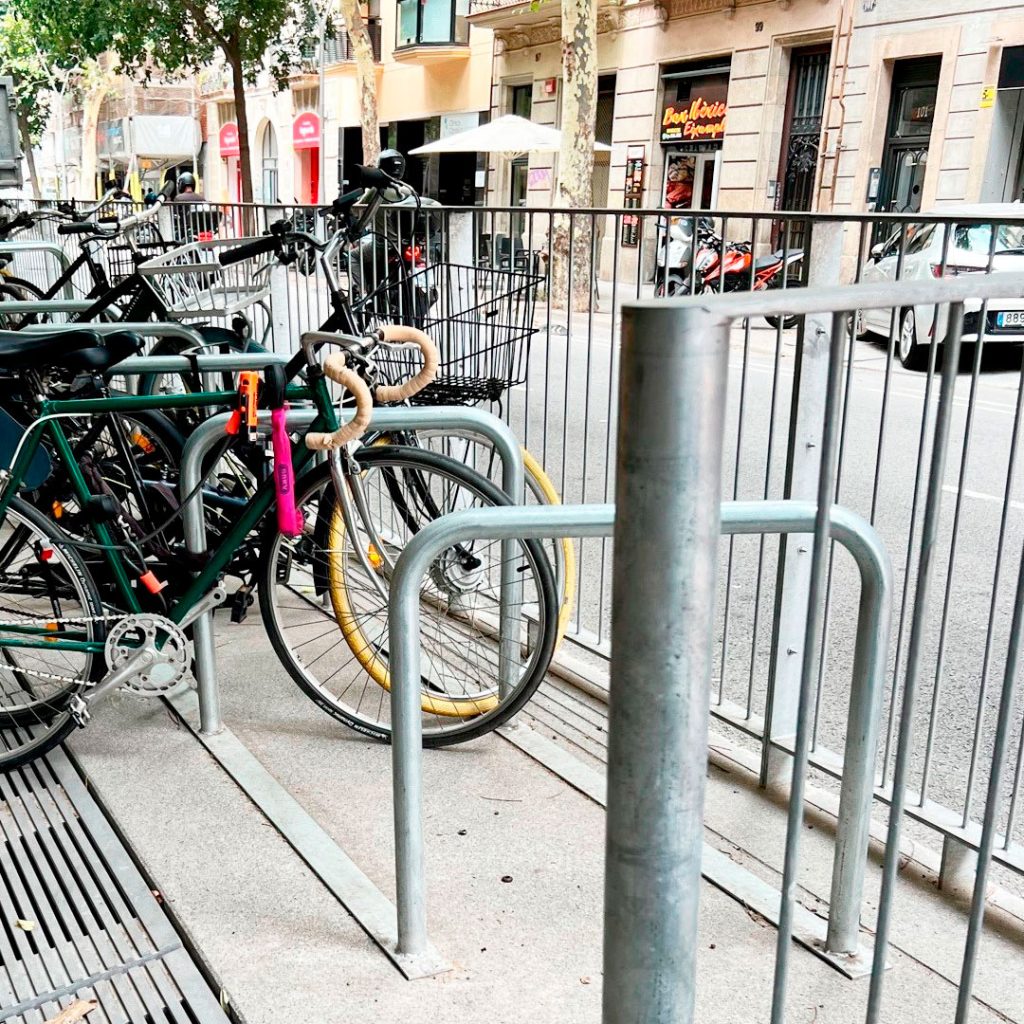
<point>565,415</point>
<point>669,461</point>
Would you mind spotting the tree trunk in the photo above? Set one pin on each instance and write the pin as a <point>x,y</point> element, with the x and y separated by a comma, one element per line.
<point>90,119</point>
<point>570,253</point>
<point>366,76</point>
<point>233,53</point>
<point>30,157</point>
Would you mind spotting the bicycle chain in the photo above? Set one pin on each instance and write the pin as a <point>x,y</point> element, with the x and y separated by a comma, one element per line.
<point>71,620</point>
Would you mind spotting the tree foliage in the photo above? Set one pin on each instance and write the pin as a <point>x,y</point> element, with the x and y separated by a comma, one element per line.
<point>21,59</point>
<point>169,37</point>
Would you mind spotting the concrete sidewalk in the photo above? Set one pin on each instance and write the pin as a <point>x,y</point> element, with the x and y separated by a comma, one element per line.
<point>514,876</point>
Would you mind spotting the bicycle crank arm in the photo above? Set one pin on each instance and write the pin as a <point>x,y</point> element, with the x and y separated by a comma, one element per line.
<point>140,659</point>
<point>213,599</point>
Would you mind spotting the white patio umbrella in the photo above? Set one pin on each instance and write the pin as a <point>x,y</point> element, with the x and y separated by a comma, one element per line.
<point>511,135</point>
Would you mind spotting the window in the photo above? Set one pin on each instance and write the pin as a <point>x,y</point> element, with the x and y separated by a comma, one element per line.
<point>521,100</point>
<point>605,109</point>
<point>226,113</point>
<point>432,22</point>
<point>306,99</point>
<point>268,160</point>
<point>977,238</point>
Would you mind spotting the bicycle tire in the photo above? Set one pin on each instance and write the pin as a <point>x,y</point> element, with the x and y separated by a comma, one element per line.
<point>453,730</point>
<point>49,720</point>
<point>540,485</point>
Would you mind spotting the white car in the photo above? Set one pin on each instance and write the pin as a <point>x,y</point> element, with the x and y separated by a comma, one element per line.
<point>969,249</point>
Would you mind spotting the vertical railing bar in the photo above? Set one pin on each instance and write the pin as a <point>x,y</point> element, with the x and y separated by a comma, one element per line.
<point>940,658</point>
<point>618,228</point>
<point>929,531</point>
<point>1000,745</point>
<point>1011,816</point>
<point>883,414</point>
<point>735,495</point>
<point>822,535</point>
<point>908,561</point>
<point>826,630</point>
<point>547,342</point>
<point>772,408</point>
<point>591,300</point>
<point>528,391</point>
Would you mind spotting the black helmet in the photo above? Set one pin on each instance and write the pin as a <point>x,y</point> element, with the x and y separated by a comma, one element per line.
<point>186,180</point>
<point>392,162</point>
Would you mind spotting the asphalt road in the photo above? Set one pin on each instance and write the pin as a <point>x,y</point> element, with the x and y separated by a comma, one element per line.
<point>566,413</point>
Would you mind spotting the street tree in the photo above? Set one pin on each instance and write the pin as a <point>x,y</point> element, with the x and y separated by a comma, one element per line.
<point>570,270</point>
<point>184,36</point>
<point>21,59</point>
<point>366,76</point>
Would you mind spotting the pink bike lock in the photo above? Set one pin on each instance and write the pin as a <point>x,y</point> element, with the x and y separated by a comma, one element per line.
<point>289,516</point>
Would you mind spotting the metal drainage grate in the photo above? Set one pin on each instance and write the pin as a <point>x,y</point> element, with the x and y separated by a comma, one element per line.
<point>77,920</point>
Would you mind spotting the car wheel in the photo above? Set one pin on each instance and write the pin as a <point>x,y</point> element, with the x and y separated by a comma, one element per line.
<point>912,354</point>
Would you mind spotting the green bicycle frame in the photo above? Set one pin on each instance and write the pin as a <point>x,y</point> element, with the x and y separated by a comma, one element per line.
<point>49,425</point>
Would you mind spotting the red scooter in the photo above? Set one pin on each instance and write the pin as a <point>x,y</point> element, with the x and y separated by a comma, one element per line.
<point>738,271</point>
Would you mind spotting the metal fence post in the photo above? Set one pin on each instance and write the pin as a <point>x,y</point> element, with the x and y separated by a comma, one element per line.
<point>803,460</point>
<point>668,487</point>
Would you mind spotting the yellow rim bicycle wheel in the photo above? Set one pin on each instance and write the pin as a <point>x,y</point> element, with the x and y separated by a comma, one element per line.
<point>365,652</point>
<point>534,469</point>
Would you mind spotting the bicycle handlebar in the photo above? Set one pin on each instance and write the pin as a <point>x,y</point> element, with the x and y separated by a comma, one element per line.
<point>399,334</point>
<point>247,250</point>
<point>336,369</point>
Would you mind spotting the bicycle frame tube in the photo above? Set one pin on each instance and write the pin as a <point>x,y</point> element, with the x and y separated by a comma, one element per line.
<point>254,510</point>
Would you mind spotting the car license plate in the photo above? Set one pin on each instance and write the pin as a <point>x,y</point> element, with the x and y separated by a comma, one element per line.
<point>1011,319</point>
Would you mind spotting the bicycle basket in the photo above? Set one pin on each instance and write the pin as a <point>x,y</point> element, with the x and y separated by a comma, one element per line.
<point>190,282</point>
<point>121,259</point>
<point>481,320</point>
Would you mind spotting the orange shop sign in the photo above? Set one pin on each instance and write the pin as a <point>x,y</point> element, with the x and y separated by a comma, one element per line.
<point>697,120</point>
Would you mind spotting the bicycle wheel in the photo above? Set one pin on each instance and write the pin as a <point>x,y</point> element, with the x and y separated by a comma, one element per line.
<point>328,586</point>
<point>479,454</point>
<point>42,580</point>
<point>18,290</point>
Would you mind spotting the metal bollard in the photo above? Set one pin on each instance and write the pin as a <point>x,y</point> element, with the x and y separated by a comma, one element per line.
<point>668,487</point>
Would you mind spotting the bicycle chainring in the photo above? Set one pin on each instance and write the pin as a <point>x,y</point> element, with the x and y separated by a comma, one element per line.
<point>172,652</point>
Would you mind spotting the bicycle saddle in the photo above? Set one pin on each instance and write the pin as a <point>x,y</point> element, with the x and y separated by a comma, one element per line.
<point>77,350</point>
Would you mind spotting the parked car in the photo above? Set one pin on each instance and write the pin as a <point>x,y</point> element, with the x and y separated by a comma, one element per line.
<point>969,249</point>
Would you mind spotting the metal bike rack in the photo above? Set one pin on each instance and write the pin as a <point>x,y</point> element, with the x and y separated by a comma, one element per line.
<point>209,433</point>
<point>38,245</point>
<point>783,517</point>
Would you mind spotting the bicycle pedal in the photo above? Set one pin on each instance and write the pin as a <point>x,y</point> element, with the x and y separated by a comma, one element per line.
<point>241,601</point>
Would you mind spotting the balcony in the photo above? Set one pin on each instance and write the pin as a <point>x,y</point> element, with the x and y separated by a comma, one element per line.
<point>338,47</point>
<point>432,29</point>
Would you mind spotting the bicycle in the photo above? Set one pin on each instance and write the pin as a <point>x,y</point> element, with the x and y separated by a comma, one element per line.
<point>66,649</point>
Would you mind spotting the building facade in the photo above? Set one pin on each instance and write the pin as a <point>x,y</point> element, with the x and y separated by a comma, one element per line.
<point>433,79</point>
<point>737,105</point>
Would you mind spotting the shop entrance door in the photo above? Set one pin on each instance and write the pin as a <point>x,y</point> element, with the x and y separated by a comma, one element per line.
<point>691,179</point>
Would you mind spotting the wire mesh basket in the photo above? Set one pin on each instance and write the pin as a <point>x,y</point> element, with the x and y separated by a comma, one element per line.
<point>481,320</point>
<point>189,281</point>
<point>122,260</point>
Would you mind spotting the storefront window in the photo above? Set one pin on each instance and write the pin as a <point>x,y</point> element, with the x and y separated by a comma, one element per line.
<point>693,124</point>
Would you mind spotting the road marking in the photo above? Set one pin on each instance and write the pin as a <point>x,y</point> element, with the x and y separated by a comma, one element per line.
<point>959,400</point>
<point>981,496</point>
